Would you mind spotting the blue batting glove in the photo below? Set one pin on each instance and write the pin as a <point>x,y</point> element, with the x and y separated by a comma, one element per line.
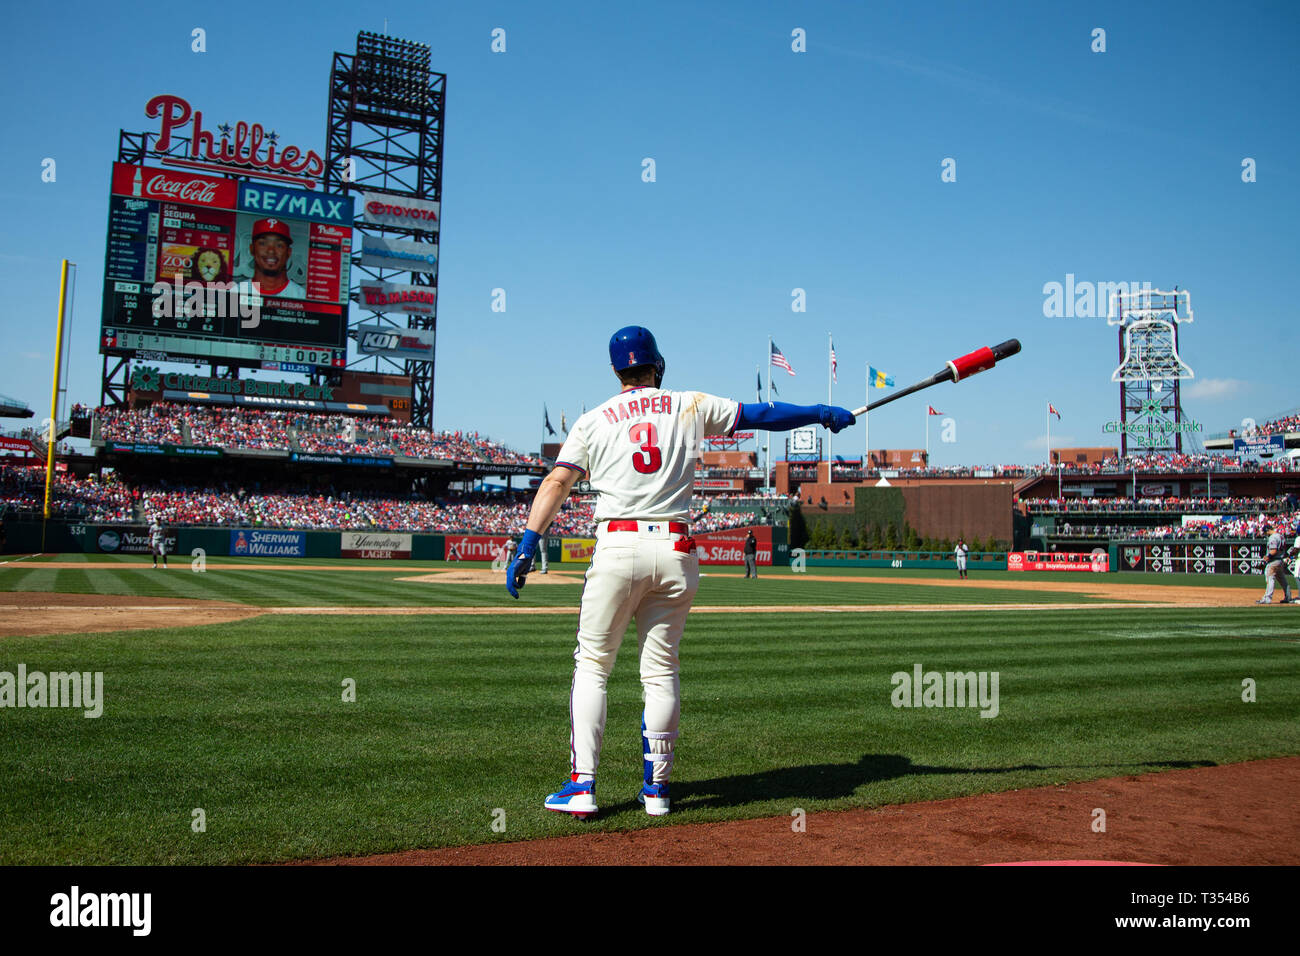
<point>522,563</point>
<point>835,418</point>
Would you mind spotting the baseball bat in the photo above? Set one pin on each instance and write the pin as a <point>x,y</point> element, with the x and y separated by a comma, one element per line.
<point>959,368</point>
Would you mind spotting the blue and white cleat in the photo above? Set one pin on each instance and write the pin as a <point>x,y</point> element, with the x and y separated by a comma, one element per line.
<point>576,798</point>
<point>655,798</point>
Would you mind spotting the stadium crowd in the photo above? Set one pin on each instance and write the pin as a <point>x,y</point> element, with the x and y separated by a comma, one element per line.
<point>263,429</point>
<point>1226,505</point>
<point>111,501</point>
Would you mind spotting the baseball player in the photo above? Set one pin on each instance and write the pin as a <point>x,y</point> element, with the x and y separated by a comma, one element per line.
<point>1275,567</point>
<point>157,542</point>
<point>751,556</point>
<point>270,251</point>
<point>960,552</point>
<point>638,449</point>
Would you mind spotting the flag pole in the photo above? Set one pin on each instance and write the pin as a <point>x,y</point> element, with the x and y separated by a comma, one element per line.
<point>927,436</point>
<point>767,453</point>
<point>866,435</point>
<point>1049,434</point>
<point>830,345</point>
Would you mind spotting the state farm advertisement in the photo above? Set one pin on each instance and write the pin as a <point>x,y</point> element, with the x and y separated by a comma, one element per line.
<point>728,547</point>
<point>472,547</point>
<point>1051,561</point>
<point>365,544</point>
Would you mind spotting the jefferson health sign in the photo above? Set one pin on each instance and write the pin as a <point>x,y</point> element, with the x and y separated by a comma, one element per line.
<point>280,544</point>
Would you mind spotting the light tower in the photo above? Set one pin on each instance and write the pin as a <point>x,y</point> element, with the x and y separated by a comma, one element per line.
<point>1150,369</point>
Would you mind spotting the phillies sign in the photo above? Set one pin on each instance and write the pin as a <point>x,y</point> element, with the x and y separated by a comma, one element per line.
<point>245,148</point>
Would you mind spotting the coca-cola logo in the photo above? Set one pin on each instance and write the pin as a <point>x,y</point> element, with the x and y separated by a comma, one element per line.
<point>184,190</point>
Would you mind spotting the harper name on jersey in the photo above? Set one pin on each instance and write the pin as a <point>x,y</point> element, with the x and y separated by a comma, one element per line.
<point>641,445</point>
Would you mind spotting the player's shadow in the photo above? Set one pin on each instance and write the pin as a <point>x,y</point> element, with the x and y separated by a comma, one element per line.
<point>829,781</point>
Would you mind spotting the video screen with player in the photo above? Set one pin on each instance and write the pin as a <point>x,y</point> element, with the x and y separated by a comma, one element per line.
<point>192,258</point>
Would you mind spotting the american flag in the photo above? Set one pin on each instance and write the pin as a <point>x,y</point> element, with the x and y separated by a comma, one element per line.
<point>779,360</point>
<point>834,365</point>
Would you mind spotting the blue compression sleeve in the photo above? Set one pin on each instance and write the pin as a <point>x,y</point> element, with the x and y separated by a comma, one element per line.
<point>778,416</point>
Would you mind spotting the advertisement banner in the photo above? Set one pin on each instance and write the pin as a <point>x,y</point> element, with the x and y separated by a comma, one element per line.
<point>1054,561</point>
<point>728,547</point>
<point>1154,489</point>
<point>382,209</point>
<point>147,448</point>
<point>144,182</point>
<point>719,484</point>
<point>130,540</point>
<point>15,444</point>
<point>471,547</point>
<point>367,544</point>
<point>399,254</point>
<point>1275,444</point>
<point>280,544</point>
<point>389,340</point>
<point>394,297</point>
<point>296,204</point>
<point>577,549</point>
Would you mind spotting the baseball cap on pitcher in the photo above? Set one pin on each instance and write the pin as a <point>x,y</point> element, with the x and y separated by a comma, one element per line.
<point>634,346</point>
<point>274,227</point>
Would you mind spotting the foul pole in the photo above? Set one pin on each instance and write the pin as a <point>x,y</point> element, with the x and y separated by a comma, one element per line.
<point>54,399</point>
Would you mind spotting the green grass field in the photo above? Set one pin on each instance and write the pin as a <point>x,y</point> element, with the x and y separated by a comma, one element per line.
<point>461,721</point>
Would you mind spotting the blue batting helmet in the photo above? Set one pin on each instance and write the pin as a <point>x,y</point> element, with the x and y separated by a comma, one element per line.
<point>633,346</point>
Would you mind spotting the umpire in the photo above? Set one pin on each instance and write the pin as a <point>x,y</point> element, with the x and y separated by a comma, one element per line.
<point>751,556</point>
<point>1275,567</point>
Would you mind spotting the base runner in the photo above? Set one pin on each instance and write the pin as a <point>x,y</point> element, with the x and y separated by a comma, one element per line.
<point>639,451</point>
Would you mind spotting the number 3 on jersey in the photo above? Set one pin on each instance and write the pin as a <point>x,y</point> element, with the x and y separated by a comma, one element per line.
<point>644,435</point>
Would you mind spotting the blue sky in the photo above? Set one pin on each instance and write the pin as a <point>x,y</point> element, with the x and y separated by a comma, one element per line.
<point>775,170</point>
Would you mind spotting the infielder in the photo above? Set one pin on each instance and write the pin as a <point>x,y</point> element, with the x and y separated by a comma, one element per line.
<point>1275,567</point>
<point>157,542</point>
<point>639,451</point>
<point>960,552</point>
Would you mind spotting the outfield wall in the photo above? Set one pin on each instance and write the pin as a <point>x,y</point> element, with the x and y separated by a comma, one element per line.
<point>975,561</point>
<point>24,537</point>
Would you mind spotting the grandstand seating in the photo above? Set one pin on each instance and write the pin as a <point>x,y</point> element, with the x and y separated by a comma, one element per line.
<point>270,429</point>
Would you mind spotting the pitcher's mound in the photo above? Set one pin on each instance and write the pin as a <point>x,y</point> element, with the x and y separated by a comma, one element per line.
<point>483,576</point>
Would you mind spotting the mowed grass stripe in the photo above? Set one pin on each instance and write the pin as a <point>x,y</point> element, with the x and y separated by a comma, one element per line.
<point>267,587</point>
<point>457,716</point>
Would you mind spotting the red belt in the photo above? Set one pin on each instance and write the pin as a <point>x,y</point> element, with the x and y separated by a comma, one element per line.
<point>674,527</point>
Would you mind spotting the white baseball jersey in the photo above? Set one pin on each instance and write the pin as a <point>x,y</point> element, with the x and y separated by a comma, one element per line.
<point>961,553</point>
<point>640,447</point>
<point>155,534</point>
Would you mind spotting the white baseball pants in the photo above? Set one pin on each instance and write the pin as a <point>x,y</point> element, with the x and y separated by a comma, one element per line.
<point>633,574</point>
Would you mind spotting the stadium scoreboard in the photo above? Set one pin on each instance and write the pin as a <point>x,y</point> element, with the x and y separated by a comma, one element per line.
<point>179,270</point>
<point>1198,557</point>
